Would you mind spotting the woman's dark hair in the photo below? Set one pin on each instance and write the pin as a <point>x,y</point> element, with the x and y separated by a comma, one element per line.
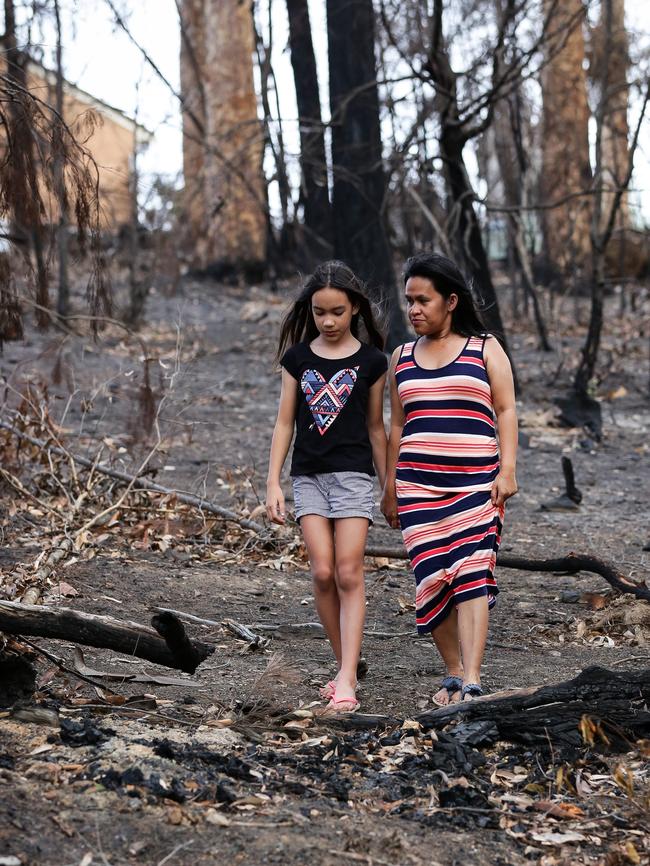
<point>447,279</point>
<point>299,322</point>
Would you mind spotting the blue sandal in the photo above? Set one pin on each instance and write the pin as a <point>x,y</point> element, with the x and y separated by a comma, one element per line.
<point>472,689</point>
<point>452,685</point>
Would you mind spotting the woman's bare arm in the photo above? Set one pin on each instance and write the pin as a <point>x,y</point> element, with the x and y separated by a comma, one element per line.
<point>503,399</point>
<point>376,429</point>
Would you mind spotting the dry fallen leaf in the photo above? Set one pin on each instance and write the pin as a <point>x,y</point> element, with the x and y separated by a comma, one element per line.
<point>558,809</point>
<point>507,778</point>
<point>558,838</point>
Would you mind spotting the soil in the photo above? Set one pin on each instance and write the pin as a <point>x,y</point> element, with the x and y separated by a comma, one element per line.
<point>209,770</point>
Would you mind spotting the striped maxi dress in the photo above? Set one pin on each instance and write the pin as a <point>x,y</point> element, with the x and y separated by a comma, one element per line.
<point>448,460</point>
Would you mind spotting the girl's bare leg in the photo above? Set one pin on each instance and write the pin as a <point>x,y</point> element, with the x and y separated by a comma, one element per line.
<point>473,618</point>
<point>350,544</point>
<point>318,533</point>
<point>446,640</point>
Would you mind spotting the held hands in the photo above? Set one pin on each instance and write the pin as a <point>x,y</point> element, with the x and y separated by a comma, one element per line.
<point>504,486</point>
<point>275,504</point>
<point>389,506</point>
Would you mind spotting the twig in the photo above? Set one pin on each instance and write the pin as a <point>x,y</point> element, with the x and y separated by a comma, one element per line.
<point>17,485</point>
<point>175,851</point>
<point>62,666</point>
<point>630,659</point>
<point>360,858</point>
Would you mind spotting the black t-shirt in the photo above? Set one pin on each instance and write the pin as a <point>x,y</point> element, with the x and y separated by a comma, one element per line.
<point>331,425</point>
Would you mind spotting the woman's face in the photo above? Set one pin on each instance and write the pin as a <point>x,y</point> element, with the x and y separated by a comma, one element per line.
<point>429,312</point>
<point>332,311</point>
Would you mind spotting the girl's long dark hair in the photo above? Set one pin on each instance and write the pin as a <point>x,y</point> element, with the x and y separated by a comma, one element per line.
<point>447,279</point>
<point>299,325</point>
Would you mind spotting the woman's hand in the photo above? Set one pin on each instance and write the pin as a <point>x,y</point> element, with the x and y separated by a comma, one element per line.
<point>275,504</point>
<point>504,486</point>
<point>389,506</point>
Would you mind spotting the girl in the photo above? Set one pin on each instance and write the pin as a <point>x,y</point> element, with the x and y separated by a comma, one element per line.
<point>332,388</point>
<point>446,484</point>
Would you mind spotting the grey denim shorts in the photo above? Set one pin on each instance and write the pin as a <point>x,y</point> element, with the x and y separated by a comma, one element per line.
<point>334,495</point>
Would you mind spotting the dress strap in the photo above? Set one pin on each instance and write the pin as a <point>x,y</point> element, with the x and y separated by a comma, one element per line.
<point>406,351</point>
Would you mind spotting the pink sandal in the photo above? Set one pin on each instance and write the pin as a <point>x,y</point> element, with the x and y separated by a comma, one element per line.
<point>328,690</point>
<point>342,705</point>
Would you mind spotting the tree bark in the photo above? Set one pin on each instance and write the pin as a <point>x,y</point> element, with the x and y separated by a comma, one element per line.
<point>63,298</point>
<point>359,178</point>
<point>313,161</point>
<point>597,703</point>
<point>173,649</point>
<point>467,235</point>
<point>566,168</point>
<point>192,72</point>
<point>26,216</point>
<point>234,181</point>
<point>569,564</point>
<point>609,66</point>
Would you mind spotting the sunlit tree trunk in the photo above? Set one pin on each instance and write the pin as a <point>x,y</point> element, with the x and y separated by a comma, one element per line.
<point>234,181</point>
<point>192,68</point>
<point>566,172</point>
<point>610,62</point>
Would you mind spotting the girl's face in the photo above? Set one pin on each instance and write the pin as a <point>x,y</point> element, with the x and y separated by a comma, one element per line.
<point>332,311</point>
<point>429,311</point>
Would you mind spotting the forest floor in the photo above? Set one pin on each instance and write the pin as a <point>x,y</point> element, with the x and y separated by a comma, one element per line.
<point>216,766</point>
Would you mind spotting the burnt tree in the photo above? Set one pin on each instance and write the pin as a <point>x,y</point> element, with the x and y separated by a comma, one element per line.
<point>313,164</point>
<point>360,235</point>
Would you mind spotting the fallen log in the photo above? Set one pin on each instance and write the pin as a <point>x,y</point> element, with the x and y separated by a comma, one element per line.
<point>598,707</point>
<point>598,704</point>
<point>167,645</point>
<point>569,564</point>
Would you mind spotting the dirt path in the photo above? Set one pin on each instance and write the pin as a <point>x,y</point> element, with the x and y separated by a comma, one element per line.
<point>136,787</point>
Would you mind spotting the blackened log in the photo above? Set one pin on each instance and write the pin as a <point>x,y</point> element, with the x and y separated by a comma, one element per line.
<point>175,650</point>
<point>598,704</point>
<point>570,482</point>
<point>569,564</point>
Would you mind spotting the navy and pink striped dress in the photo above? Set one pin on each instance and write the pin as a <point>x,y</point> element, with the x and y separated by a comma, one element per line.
<point>448,460</point>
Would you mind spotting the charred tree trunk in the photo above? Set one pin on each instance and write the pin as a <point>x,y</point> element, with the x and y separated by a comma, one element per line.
<point>467,234</point>
<point>274,139</point>
<point>359,178</point>
<point>465,229</point>
<point>63,298</point>
<point>597,704</point>
<point>313,162</point>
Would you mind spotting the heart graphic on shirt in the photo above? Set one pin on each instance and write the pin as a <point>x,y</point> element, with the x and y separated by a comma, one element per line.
<point>326,399</point>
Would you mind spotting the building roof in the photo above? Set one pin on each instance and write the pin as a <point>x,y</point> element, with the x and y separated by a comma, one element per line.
<point>118,116</point>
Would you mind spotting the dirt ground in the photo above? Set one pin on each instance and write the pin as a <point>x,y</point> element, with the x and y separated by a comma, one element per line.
<point>217,767</point>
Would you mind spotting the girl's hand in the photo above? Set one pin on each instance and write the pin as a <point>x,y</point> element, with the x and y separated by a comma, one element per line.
<point>275,504</point>
<point>389,506</point>
<point>504,486</point>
